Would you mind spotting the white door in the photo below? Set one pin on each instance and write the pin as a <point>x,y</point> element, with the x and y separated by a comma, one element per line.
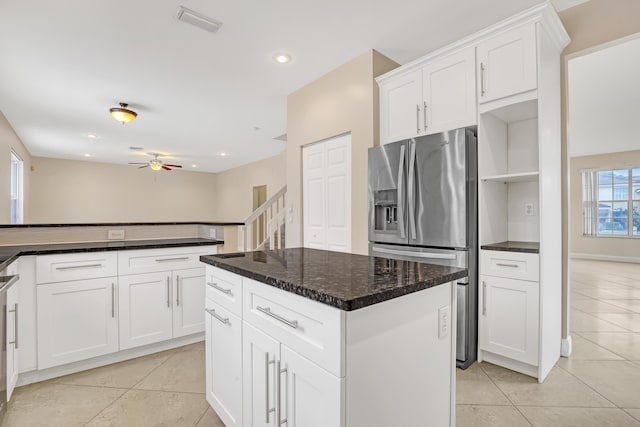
<point>450,92</point>
<point>145,309</point>
<point>224,363</point>
<point>507,64</point>
<point>260,354</point>
<point>327,194</point>
<point>188,299</point>
<point>509,318</point>
<point>401,108</point>
<point>13,343</point>
<point>311,396</point>
<point>76,321</point>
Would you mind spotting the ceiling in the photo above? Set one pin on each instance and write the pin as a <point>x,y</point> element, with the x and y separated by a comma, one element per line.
<point>198,94</point>
<point>604,100</point>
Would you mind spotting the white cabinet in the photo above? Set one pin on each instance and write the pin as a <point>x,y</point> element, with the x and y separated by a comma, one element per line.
<point>449,94</point>
<point>432,96</point>
<point>507,63</point>
<point>189,296</point>
<point>224,363</point>
<point>400,107</point>
<point>77,320</point>
<point>145,309</point>
<point>509,318</point>
<point>12,332</point>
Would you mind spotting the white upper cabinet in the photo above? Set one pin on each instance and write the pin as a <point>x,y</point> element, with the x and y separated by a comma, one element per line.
<point>436,96</point>
<point>507,64</point>
<point>449,96</point>
<point>401,107</point>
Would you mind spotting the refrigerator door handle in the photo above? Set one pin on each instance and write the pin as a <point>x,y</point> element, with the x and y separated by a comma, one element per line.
<point>401,200</point>
<point>425,255</point>
<point>410,189</point>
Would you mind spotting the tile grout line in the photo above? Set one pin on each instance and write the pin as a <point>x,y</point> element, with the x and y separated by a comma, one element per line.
<point>624,359</point>
<point>588,386</point>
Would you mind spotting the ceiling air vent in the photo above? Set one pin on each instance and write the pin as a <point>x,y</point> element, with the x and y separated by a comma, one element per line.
<point>199,20</point>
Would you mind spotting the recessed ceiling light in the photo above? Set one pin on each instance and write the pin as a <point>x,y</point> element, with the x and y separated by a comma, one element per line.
<point>223,154</point>
<point>193,166</point>
<point>88,155</point>
<point>91,135</point>
<point>282,58</point>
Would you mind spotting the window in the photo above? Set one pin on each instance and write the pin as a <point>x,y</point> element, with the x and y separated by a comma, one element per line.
<point>612,202</point>
<point>16,189</point>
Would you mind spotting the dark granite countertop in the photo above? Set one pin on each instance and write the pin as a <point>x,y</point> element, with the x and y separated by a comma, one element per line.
<point>342,280</point>
<point>119,224</point>
<point>9,253</point>
<point>512,246</point>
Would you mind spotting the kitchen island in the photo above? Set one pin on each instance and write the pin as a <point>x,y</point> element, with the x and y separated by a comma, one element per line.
<point>321,338</point>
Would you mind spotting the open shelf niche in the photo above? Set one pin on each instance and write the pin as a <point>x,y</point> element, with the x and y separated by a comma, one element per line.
<point>508,168</point>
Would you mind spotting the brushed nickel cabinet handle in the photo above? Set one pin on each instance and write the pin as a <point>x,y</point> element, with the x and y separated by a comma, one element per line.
<point>417,118</point>
<point>267,363</point>
<point>15,326</point>
<point>168,293</point>
<point>482,71</point>
<point>177,291</point>
<point>73,267</point>
<point>484,298</point>
<point>500,264</point>
<point>212,312</point>
<point>113,300</point>
<point>182,258</point>
<point>279,387</point>
<point>268,312</point>
<point>424,114</point>
<point>215,286</point>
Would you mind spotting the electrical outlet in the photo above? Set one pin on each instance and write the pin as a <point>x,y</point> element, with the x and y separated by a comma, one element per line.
<point>444,320</point>
<point>528,209</point>
<point>212,233</point>
<point>115,235</point>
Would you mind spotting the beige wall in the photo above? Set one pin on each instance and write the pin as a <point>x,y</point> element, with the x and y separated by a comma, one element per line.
<point>589,24</point>
<point>234,188</point>
<point>598,246</point>
<point>344,100</point>
<point>79,191</point>
<point>10,141</point>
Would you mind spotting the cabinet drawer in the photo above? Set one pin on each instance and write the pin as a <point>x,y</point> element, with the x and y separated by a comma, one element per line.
<point>512,265</point>
<point>310,328</point>
<point>153,260</point>
<point>76,266</point>
<point>225,288</point>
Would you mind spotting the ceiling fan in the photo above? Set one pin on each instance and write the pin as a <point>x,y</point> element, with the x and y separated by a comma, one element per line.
<point>156,164</point>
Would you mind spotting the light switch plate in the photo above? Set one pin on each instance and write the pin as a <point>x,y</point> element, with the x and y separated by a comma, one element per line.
<point>115,235</point>
<point>444,321</point>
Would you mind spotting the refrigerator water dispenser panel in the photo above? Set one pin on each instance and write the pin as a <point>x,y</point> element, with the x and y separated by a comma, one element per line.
<point>386,210</point>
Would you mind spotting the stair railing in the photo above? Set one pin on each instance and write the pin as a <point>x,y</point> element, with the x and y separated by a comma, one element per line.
<point>265,227</point>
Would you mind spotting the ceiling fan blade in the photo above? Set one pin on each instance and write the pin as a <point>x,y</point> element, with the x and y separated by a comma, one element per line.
<point>145,166</point>
<point>131,163</point>
<point>166,168</point>
<point>173,166</point>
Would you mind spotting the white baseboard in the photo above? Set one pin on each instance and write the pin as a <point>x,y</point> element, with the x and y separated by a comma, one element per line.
<point>598,257</point>
<point>120,356</point>
<point>566,347</point>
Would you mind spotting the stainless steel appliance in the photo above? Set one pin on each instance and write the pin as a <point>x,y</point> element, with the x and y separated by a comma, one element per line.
<point>423,206</point>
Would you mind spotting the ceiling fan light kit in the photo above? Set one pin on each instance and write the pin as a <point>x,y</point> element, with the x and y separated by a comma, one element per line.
<point>156,164</point>
<point>123,114</point>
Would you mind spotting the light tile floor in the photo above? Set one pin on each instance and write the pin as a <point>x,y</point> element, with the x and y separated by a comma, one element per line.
<point>163,389</point>
<point>599,385</point>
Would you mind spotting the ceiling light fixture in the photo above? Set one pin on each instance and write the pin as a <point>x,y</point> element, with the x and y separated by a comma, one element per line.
<point>91,135</point>
<point>123,114</point>
<point>155,164</point>
<point>223,154</point>
<point>193,166</point>
<point>282,58</point>
<point>88,155</point>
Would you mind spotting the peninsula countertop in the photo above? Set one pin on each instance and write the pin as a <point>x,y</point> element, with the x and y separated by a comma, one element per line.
<point>10,253</point>
<point>342,280</point>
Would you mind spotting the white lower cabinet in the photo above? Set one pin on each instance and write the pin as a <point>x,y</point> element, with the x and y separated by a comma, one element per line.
<point>188,296</point>
<point>12,337</point>
<point>509,318</point>
<point>76,320</point>
<point>145,309</point>
<point>223,354</point>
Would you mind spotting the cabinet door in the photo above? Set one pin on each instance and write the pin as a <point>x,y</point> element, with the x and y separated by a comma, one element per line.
<point>76,321</point>
<point>13,343</point>
<point>188,298</point>
<point>509,314</point>
<point>310,396</point>
<point>224,363</point>
<point>449,87</point>
<point>401,107</point>
<point>507,64</point>
<point>145,309</point>
<point>260,354</point>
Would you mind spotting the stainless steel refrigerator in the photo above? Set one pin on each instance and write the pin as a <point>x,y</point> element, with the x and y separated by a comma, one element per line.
<point>423,207</point>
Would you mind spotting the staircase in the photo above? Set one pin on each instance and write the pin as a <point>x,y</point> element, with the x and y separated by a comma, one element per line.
<point>265,227</point>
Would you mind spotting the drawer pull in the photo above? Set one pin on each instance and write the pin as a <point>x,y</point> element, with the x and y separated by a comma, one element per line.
<point>268,312</point>
<point>212,312</point>
<point>182,258</point>
<point>72,267</point>
<point>500,264</point>
<point>215,286</point>
<point>484,298</point>
<point>15,326</point>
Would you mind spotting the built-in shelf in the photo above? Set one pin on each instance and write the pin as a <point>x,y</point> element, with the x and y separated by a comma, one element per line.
<point>513,177</point>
